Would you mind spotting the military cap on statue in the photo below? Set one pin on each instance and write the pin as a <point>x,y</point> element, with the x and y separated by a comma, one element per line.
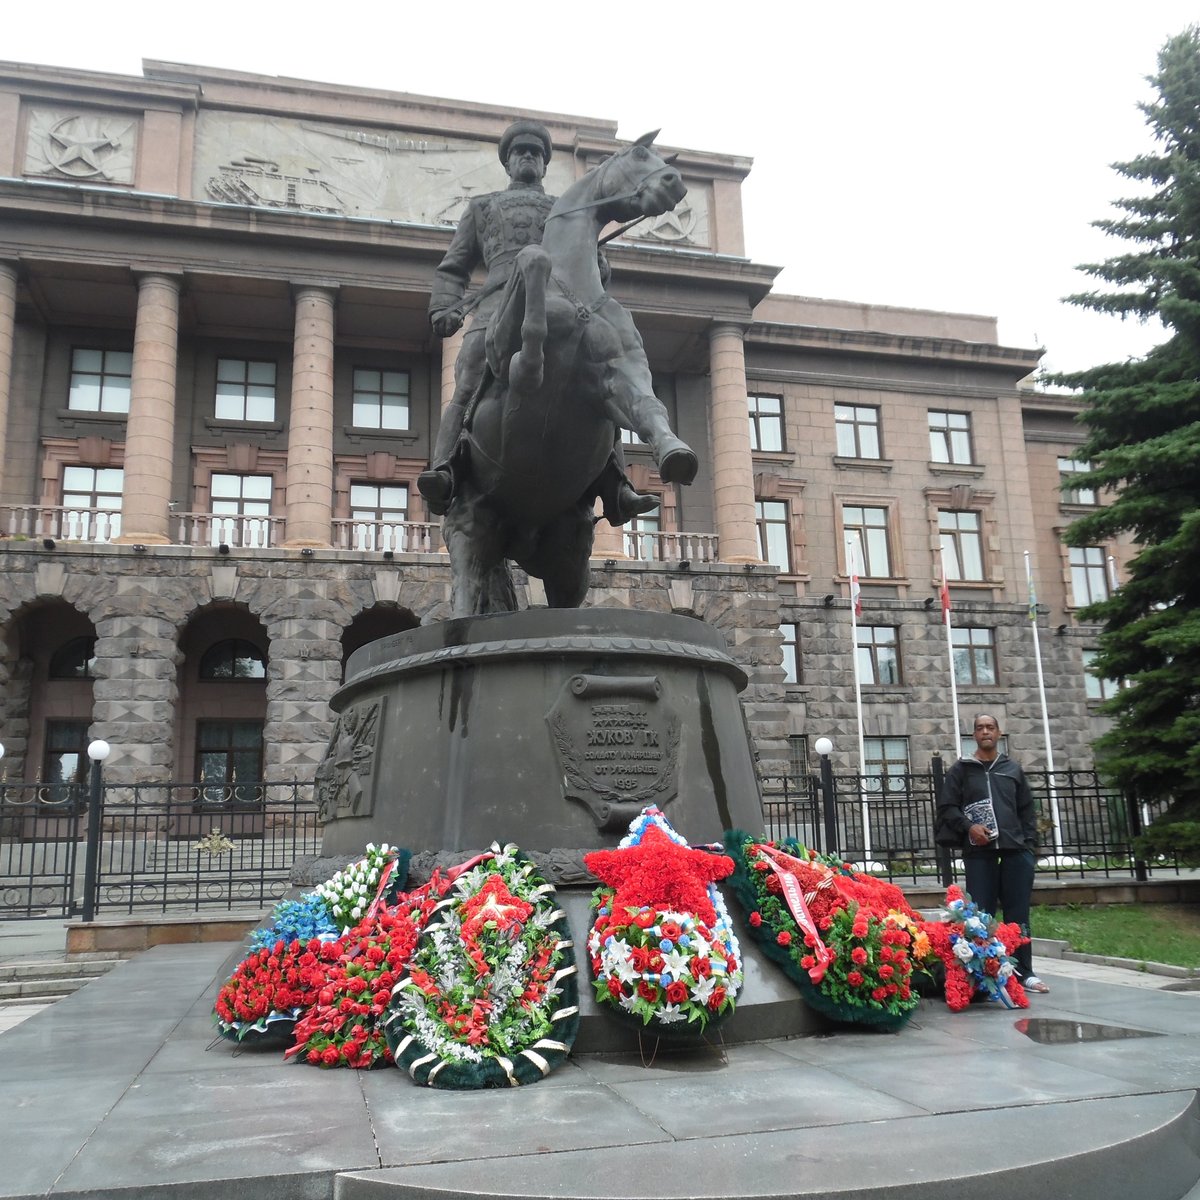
<point>522,132</point>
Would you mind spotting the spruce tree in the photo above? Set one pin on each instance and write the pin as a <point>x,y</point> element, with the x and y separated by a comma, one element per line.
<point>1143,421</point>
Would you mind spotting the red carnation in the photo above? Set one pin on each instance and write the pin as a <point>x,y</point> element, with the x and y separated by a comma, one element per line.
<point>858,955</point>
<point>783,938</point>
<point>854,979</point>
<point>756,919</point>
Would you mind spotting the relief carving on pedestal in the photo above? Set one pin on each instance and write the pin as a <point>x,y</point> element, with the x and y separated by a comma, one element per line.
<point>345,779</point>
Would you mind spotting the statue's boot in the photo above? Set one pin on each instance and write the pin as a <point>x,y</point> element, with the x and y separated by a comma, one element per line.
<point>436,484</point>
<point>622,502</point>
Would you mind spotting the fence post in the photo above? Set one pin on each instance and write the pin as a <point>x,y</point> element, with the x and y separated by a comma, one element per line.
<point>941,853</point>
<point>1133,819</point>
<point>97,752</point>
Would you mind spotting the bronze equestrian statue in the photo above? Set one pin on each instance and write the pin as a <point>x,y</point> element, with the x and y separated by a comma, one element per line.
<point>552,368</point>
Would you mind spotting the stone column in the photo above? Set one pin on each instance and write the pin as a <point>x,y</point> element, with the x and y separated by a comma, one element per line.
<point>733,467</point>
<point>8,320</point>
<point>150,432</point>
<point>450,348</point>
<point>310,426</point>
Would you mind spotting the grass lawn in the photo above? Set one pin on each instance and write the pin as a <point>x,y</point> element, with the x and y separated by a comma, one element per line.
<point>1166,933</point>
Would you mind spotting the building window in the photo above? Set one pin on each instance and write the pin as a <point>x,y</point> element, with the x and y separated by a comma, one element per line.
<point>878,654</point>
<point>100,380</point>
<point>867,530</point>
<point>962,544</point>
<point>792,666</point>
<point>857,431</point>
<point>1089,578</point>
<point>950,437</point>
<point>974,652</point>
<point>74,660</point>
<point>641,537</point>
<point>92,498</point>
<point>379,512</point>
<point>241,496</point>
<point>886,764</point>
<point>774,533</point>
<point>380,399</point>
<point>1076,495</point>
<point>234,658</point>
<point>1097,687</point>
<point>766,422</point>
<point>629,438</point>
<point>245,390</point>
<point>229,762</point>
<point>797,744</point>
<point>64,763</point>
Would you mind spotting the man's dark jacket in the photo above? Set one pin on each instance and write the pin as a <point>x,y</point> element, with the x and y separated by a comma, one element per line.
<point>1003,780</point>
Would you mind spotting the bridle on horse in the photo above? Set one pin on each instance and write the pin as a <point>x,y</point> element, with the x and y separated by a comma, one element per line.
<point>668,164</point>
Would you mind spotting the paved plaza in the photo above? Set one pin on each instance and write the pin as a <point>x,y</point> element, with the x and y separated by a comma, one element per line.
<point>119,1091</point>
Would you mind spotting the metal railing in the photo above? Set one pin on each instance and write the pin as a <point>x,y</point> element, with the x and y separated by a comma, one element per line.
<point>886,822</point>
<point>160,847</point>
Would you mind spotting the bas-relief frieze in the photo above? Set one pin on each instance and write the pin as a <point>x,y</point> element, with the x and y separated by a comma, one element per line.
<point>311,166</point>
<point>280,162</point>
<point>81,145</point>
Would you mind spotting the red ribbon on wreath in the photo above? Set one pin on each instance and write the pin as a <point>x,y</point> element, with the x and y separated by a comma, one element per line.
<point>790,887</point>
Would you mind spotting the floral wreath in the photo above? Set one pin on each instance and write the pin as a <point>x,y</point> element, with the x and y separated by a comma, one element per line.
<point>662,947</point>
<point>490,997</point>
<point>976,951</point>
<point>270,988</point>
<point>293,956</point>
<point>344,1026</point>
<point>836,935</point>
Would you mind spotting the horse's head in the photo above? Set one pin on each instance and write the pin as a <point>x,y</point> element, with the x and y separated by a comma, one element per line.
<point>639,182</point>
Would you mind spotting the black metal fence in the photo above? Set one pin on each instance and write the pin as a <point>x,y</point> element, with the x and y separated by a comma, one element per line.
<point>167,847</point>
<point>155,847</point>
<point>1086,827</point>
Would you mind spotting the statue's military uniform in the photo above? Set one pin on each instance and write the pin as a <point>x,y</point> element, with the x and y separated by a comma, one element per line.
<point>492,231</point>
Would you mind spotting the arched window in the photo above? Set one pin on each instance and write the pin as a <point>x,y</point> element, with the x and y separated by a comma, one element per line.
<point>74,660</point>
<point>233,659</point>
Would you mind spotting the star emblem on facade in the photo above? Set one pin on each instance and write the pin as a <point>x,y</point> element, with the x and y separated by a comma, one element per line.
<point>70,151</point>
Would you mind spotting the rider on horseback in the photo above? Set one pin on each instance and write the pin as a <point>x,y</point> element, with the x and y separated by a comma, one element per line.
<point>495,227</point>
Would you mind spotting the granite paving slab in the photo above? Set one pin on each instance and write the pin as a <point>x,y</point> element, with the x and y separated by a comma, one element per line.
<point>1144,1147</point>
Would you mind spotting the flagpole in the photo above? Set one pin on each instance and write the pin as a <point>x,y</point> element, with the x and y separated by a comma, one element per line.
<point>1037,655</point>
<point>855,610</point>
<point>945,596</point>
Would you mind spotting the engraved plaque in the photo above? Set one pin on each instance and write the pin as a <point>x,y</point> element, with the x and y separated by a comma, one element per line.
<point>617,743</point>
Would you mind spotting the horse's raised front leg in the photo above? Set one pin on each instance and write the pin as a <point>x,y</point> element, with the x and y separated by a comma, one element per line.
<point>633,405</point>
<point>527,366</point>
<point>475,538</point>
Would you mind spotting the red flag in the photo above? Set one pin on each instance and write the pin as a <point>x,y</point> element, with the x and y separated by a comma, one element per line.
<point>945,593</point>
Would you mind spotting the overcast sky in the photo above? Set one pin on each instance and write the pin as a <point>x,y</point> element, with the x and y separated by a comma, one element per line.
<point>931,155</point>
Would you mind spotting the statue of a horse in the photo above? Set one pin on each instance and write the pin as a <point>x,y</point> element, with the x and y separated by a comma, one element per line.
<point>566,367</point>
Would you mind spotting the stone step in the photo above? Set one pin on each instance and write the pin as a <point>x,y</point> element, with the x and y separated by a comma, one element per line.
<point>91,969</point>
<point>42,982</point>
<point>1142,1146</point>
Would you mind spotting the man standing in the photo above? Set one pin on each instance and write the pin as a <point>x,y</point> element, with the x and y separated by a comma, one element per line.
<point>495,227</point>
<point>987,801</point>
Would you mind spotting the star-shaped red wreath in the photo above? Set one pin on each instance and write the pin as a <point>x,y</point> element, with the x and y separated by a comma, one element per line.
<point>660,873</point>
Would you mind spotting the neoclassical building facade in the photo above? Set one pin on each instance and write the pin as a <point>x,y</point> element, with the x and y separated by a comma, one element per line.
<point>218,384</point>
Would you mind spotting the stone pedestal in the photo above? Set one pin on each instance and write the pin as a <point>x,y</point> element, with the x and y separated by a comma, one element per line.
<point>548,728</point>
